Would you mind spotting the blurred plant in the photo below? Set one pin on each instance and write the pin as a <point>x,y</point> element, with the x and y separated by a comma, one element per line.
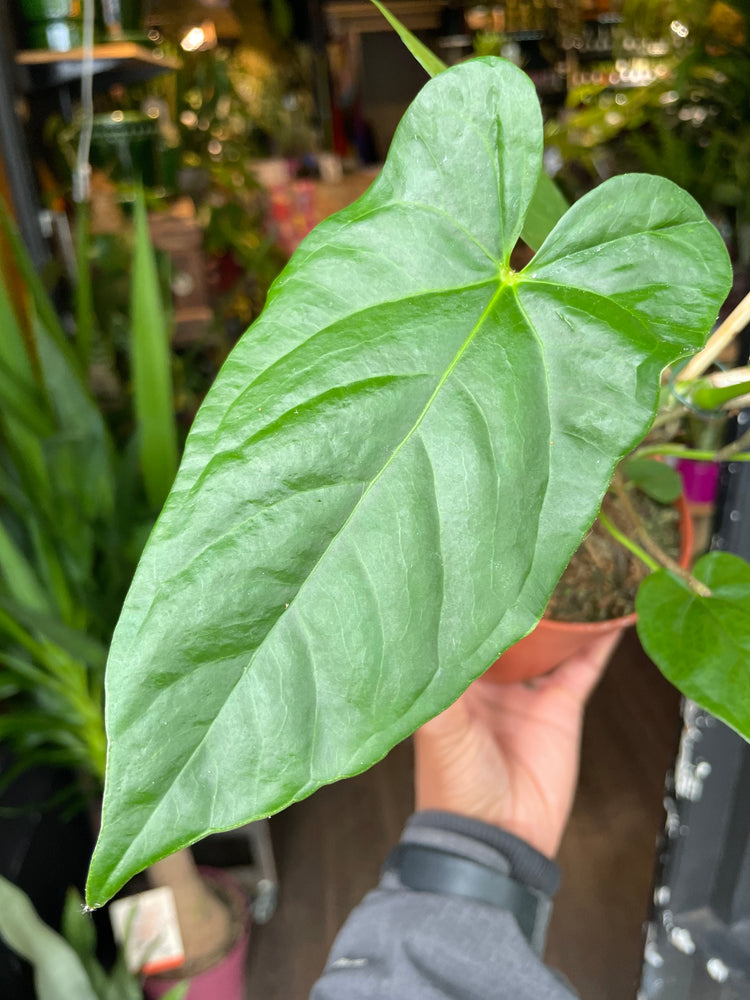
<point>688,124</point>
<point>210,133</point>
<point>224,118</point>
<point>66,965</point>
<point>277,98</point>
<point>76,504</point>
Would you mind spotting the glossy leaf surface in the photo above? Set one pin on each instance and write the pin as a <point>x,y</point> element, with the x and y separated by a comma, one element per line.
<point>548,204</point>
<point>702,644</point>
<point>392,469</point>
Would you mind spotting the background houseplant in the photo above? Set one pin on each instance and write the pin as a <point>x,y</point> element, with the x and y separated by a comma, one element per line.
<point>388,478</point>
<point>77,499</point>
<point>76,505</point>
<point>688,123</point>
<point>65,966</point>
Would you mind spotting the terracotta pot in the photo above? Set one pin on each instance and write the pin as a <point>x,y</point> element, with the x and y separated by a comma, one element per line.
<point>551,642</point>
<point>225,979</point>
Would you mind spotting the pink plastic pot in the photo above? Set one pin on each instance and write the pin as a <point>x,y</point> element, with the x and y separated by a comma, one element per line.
<point>700,480</point>
<point>226,979</point>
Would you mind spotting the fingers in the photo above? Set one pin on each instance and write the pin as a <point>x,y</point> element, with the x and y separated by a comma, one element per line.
<point>454,722</point>
<point>581,673</point>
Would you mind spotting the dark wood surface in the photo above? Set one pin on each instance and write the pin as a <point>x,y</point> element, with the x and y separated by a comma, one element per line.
<point>607,857</point>
<point>330,847</point>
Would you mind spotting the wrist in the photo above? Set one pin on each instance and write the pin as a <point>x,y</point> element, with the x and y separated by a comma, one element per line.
<point>489,842</point>
<point>455,855</point>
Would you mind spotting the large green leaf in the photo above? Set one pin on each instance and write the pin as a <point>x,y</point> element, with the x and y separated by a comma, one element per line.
<point>548,204</point>
<point>702,644</point>
<point>392,470</point>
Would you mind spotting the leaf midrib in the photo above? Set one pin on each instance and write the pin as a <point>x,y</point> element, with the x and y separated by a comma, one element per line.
<point>356,314</point>
<point>154,811</point>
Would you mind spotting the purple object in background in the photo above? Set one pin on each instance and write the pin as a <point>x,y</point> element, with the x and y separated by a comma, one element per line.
<point>700,480</point>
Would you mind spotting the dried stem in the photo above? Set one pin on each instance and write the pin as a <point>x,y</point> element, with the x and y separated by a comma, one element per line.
<point>733,449</point>
<point>735,323</point>
<point>651,547</point>
<point>667,416</point>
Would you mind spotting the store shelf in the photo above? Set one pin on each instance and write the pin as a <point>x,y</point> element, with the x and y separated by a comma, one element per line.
<point>128,62</point>
<point>343,16</point>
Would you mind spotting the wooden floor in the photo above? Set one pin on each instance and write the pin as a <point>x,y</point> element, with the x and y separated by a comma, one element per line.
<point>330,847</point>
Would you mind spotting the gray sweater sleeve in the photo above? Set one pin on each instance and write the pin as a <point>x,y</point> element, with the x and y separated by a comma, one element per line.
<point>403,944</point>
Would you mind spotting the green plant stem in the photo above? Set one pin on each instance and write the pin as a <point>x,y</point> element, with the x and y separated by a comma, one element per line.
<point>667,416</point>
<point>628,543</point>
<point>732,452</point>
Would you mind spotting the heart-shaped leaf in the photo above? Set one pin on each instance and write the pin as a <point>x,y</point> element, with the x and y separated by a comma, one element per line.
<point>702,644</point>
<point>392,470</point>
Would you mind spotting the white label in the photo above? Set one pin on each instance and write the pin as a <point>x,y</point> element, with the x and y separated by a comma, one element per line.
<point>146,926</point>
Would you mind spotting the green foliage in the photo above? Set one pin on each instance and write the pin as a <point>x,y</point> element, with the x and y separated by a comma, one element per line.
<point>702,643</point>
<point>65,967</point>
<point>70,533</point>
<point>152,378</point>
<point>84,293</point>
<point>689,125</point>
<point>388,477</point>
<point>58,973</point>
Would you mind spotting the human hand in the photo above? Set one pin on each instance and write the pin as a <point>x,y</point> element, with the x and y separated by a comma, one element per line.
<point>508,754</point>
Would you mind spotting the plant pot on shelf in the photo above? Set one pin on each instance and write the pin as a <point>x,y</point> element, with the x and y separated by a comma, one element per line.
<point>552,642</point>
<point>51,24</point>
<point>121,20</point>
<point>123,144</point>
<point>700,480</point>
<point>223,977</point>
